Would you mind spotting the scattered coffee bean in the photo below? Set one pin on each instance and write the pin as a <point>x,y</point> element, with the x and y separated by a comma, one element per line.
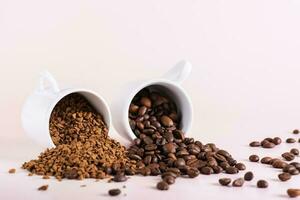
<point>169,179</point>
<point>240,166</point>
<point>290,140</point>
<point>43,188</point>
<point>296,165</point>
<point>279,164</point>
<point>166,121</point>
<point>288,156</point>
<point>294,171</point>
<point>254,144</point>
<point>12,171</point>
<point>295,151</point>
<point>248,176</point>
<point>284,176</point>
<point>268,145</point>
<point>238,182</point>
<point>224,181</point>
<point>262,184</point>
<point>296,131</point>
<point>266,160</point>
<point>114,192</point>
<point>277,140</point>
<point>162,185</point>
<point>231,170</point>
<point>293,192</point>
<point>193,172</point>
<point>254,158</point>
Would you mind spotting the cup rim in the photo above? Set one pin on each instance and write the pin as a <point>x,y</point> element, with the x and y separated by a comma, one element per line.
<point>146,84</point>
<point>64,92</point>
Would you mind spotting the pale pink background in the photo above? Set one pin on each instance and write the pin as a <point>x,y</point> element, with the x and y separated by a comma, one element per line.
<point>245,81</point>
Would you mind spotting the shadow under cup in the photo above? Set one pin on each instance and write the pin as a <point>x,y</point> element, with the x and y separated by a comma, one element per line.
<point>177,95</point>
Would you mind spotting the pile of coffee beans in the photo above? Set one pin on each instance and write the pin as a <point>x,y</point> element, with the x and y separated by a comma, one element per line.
<point>83,147</point>
<point>161,147</point>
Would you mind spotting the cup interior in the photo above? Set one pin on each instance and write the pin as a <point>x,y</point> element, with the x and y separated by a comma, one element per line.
<point>97,102</point>
<point>177,95</point>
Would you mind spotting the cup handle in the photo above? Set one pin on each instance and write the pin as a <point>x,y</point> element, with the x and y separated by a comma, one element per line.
<point>179,72</point>
<point>47,83</point>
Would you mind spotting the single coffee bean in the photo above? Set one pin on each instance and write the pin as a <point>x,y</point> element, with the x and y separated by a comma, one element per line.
<point>179,162</point>
<point>114,192</point>
<point>296,165</point>
<point>166,121</point>
<point>240,166</point>
<point>169,179</point>
<point>262,184</point>
<point>293,192</point>
<point>284,176</point>
<point>296,131</point>
<point>224,181</point>
<point>146,171</point>
<point>133,108</point>
<point>268,145</point>
<point>119,178</point>
<point>266,160</point>
<point>193,172</point>
<point>169,148</point>
<point>290,140</point>
<point>142,110</point>
<point>150,147</point>
<point>288,168</point>
<point>248,176</point>
<point>254,144</point>
<point>238,182</point>
<point>294,171</point>
<point>295,151</point>
<point>288,156</point>
<point>206,170</point>
<point>254,158</point>
<point>279,164</point>
<point>231,170</point>
<point>162,185</point>
<point>277,140</point>
<point>145,101</point>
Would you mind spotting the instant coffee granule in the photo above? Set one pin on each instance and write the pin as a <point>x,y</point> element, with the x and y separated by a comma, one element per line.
<point>83,147</point>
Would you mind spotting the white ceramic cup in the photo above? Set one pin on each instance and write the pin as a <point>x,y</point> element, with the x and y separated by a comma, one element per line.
<point>169,84</point>
<point>40,104</point>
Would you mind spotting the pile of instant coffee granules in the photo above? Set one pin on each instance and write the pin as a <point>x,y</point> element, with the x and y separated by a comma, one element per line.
<point>83,147</point>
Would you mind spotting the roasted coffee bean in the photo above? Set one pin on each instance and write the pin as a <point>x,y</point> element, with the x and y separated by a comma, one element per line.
<point>169,148</point>
<point>231,170</point>
<point>266,160</point>
<point>150,147</point>
<point>162,185</point>
<point>240,166</point>
<point>166,121</point>
<point>119,178</point>
<point>179,162</point>
<point>168,174</point>
<point>43,188</point>
<point>295,151</point>
<point>206,170</point>
<point>224,181</point>
<point>296,131</point>
<point>169,179</point>
<point>277,140</point>
<point>288,168</point>
<point>296,165</point>
<point>294,171</point>
<point>254,144</point>
<point>224,165</point>
<point>145,101</point>
<point>293,192</point>
<point>147,140</point>
<point>290,140</point>
<point>193,172</point>
<point>224,153</point>
<point>114,192</point>
<point>217,169</point>
<point>238,182</point>
<point>142,111</point>
<point>248,176</point>
<point>254,158</point>
<point>284,176</point>
<point>262,184</point>
<point>146,171</point>
<point>268,145</point>
<point>279,164</point>
<point>12,171</point>
<point>288,156</point>
<point>133,108</point>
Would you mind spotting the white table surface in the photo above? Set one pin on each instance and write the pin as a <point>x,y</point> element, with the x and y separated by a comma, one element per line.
<point>244,84</point>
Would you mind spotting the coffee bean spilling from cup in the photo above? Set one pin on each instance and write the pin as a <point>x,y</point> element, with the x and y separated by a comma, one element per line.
<point>161,147</point>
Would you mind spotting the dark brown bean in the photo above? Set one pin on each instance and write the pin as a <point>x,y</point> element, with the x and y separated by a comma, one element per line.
<point>293,192</point>
<point>224,181</point>
<point>193,172</point>
<point>279,164</point>
<point>290,140</point>
<point>296,131</point>
<point>254,144</point>
<point>114,192</point>
<point>277,140</point>
<point>179,162</point>
<point>169,179</point>
<point>288,156</point>
<point>166,121</point>
<point>238,182</point>
<point>254,158</point>
<point>268,145</point>
<point>248,176</point>
<point>240,166</point>
<point>162,185</point>
<point>206,170</point>
<point>266,160</point>
<point>142,110</point>
<point>133,108</point>
<point>169,148</point>
<point>284,176</point>
<point>294,151</point>
<point>119,178</point>
<point>262,184</point>
<point>145,101</point>
<point>231,170</point>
